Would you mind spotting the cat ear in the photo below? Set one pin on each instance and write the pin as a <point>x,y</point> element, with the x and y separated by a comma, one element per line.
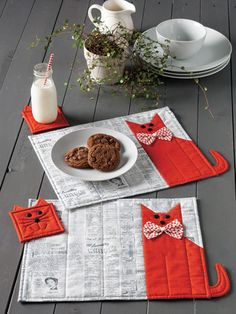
<point>175,212</point>
<point>41,201</point>
<point>156,120</point>
<point>133,126</point>
<point>17,208</point>
<point>146,212</point>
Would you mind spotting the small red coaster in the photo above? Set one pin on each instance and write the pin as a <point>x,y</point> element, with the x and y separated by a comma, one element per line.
<point>36,127</point>
<point>37,221</point>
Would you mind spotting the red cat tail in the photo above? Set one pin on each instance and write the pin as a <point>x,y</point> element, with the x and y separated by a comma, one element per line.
<point>221,163</point>
<point>223,284</point>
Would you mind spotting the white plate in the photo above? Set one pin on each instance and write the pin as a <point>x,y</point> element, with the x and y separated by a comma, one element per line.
<point>215,51</point>
<point>187,74</point>
<point>191,74</point>
<point>199,75</point>
<point>128,154</point>
<point>195,72</point>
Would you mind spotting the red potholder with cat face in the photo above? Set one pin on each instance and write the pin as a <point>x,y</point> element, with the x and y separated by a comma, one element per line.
<point>37,221</point>
<point>175,266</point>
<point>178,160</point>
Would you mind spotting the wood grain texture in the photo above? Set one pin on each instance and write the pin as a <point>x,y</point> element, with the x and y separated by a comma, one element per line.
<point>217,196</point>
<point>15,91</point>
<point>41,20</point>
<point>22,168</point>
<point>232,36</point>
<point>124,307</point>
<point>11,30</point>
<point>2,6</point>
<point>75,12</point>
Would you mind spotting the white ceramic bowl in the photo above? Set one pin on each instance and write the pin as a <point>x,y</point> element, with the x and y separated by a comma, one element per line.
<point>183,38</point>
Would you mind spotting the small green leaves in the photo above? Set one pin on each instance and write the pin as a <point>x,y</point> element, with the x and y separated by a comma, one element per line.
<point>140,78</point>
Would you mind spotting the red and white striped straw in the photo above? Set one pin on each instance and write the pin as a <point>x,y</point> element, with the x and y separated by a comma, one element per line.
<point>49,67</point>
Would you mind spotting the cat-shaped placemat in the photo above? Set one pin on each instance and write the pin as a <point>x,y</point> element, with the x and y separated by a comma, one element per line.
<point>129,249</point>
<point>166,157</point>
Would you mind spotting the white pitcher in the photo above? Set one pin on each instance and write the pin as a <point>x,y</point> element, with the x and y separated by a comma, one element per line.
<point>113,13</point>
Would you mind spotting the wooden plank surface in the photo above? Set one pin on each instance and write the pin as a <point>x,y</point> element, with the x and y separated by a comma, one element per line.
<point>232,36</point>
<point>2,6</point>
<point>75,13</point>
<point>217,195</point>
<point>15,91</point>
<point>23,167</point>
<point>11,30</point>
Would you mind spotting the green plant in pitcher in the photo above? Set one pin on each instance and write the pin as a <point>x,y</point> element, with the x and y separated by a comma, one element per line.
<point>112,58</point>
<point>116,58</point>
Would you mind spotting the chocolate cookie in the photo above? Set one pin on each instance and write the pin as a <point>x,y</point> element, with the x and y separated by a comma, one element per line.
<point>100,138</point>
<point>77,157</point>
<point>103,157</point>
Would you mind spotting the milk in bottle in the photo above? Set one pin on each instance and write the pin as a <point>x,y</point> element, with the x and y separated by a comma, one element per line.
<point>43,95</point>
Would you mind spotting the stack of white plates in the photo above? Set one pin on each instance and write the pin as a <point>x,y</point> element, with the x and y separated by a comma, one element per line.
<point>212,58</point>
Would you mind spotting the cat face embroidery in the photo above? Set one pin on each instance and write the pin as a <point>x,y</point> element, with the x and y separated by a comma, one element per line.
<point>163,223</point>
<point>36,221</point>
<point>149,128</point>
<point>162,218</point>
<point>175,267</point>
<point>33,220</point>
<point>177,159</point>
<point>150,132</point>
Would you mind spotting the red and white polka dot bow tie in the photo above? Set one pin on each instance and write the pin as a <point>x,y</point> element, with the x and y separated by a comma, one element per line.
<point>174,229</point>
<point>162,134</point>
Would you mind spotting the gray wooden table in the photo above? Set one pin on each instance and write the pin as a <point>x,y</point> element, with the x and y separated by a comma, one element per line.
<point>22,177</point>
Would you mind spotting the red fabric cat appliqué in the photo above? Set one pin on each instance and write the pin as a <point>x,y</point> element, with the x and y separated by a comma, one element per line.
<point>37,221</point>
<point>175,266</point>
<point>178,160</point>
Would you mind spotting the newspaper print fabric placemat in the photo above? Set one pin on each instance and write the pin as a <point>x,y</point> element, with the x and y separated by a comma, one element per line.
<point>143,177</point>
<point>100,256</point>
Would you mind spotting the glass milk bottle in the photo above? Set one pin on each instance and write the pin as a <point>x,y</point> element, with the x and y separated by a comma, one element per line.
<point>43,95</point>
